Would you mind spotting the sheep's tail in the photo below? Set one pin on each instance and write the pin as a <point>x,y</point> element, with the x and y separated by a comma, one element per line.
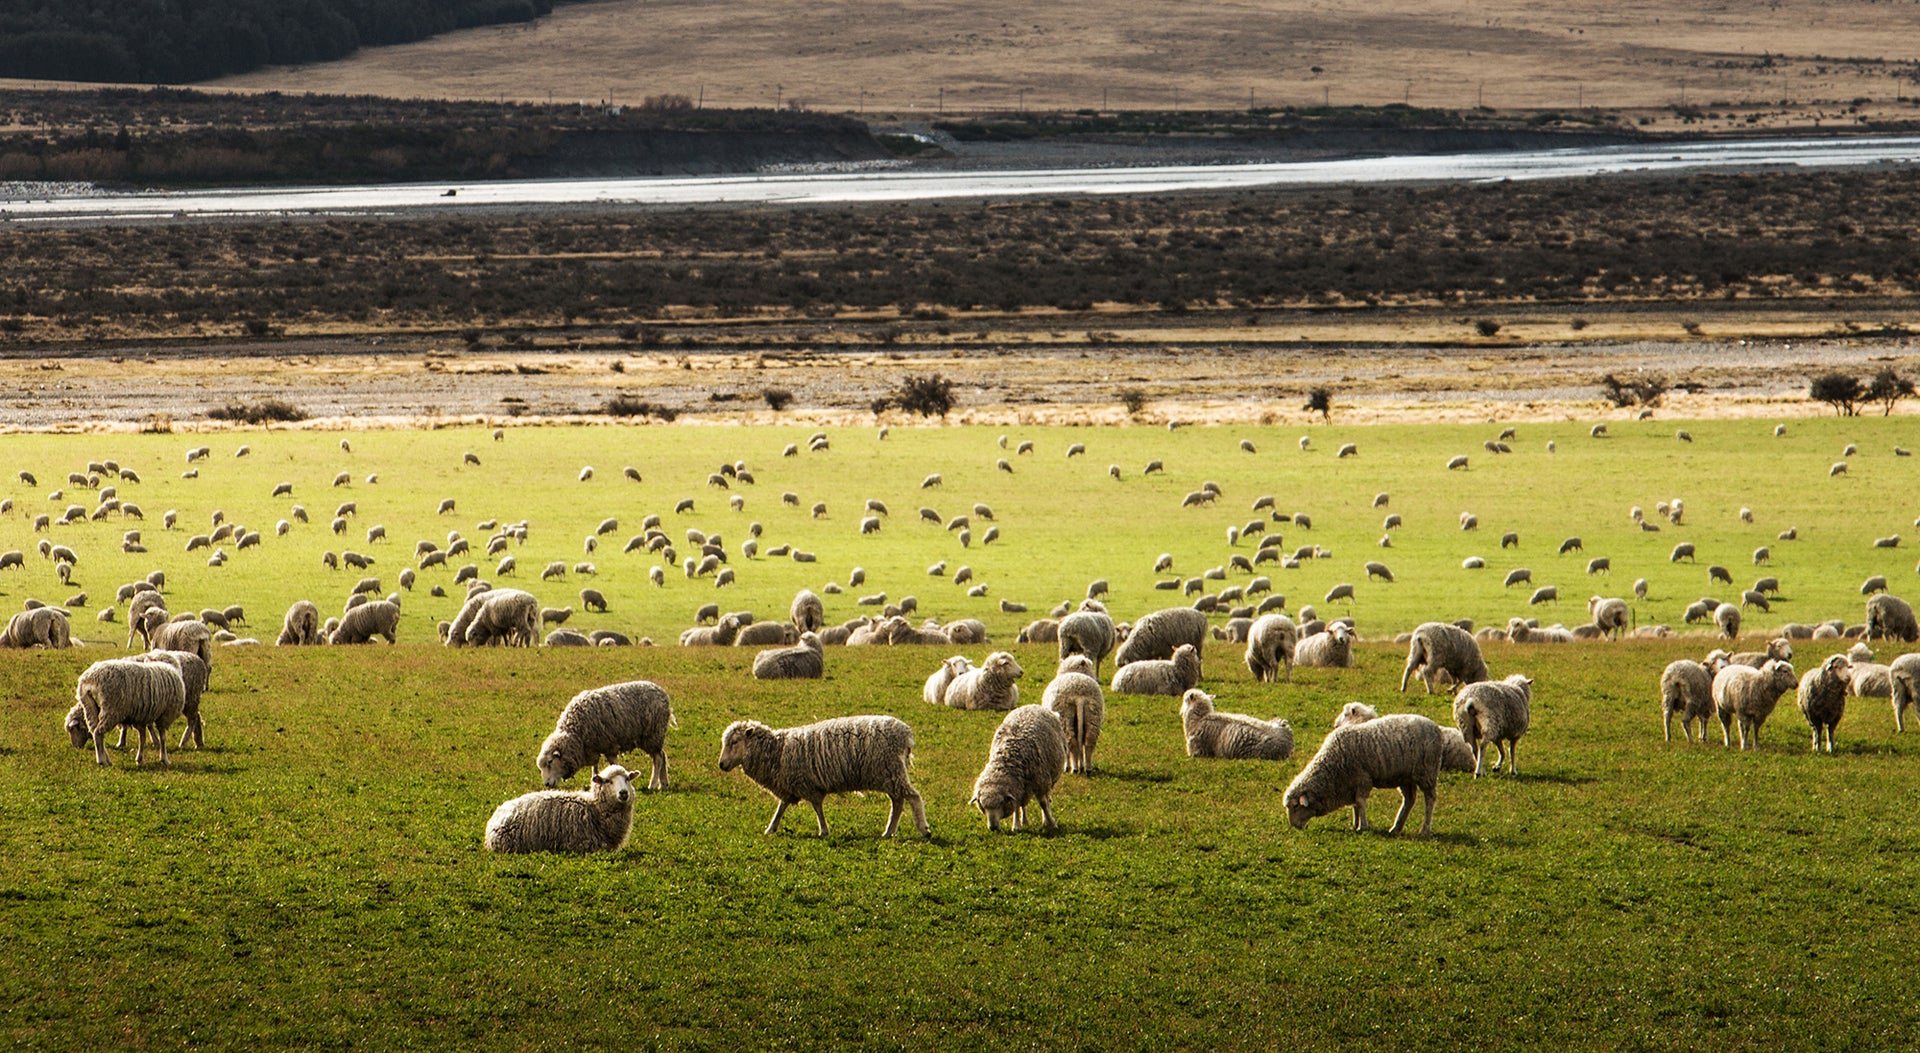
<point>673,719</point>
<point>1470,721</point>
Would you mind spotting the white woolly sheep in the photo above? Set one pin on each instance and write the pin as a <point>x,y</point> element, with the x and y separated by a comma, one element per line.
<point>1029,752</point>
<point>363,623</point>
<point>1610,614</point>
<point>597,819</point>
<point>803,661</point>
<point>193,670</point>
<point>1332,649</point>
<point>842,755</point>
<point>1903,677</point>
<point>1156,634</point>
<point>606,722</point>
<point>935,691</point>
<point>1443,648</point>
<point>1727,618</point>
<point>1823,698</point>
<point>1890,616</point>
<point>1271,640</point>
<point>1517,576</point>
<point>1779,648</point>
<point>1074,696</point>
<point>991,686</point>
<point>1749,695</point>
<point>1686,688</point>
<point>1088,632</point>
<point>301,625</point>
<point>1403,751</point>
<point>1172,677</point>
<point>767,634</point>
<point>147,696</point>
<point>1231,736</point>
<point>1497,712</point>
<point>39,627</point>
<point>808,612</point>
<point>1519,630</point>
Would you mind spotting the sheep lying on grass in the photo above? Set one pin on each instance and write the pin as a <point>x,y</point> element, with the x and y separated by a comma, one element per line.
<point>1332,649</point>
<point>1028,753</point>
<point>606,722</point>
<point>1173,677</point>
<point>597,819</point>
<point>935,692</point>
<point>1231,736</point>
<point>991,686</point>
<point>1497,712</point>
<point>1403,751</point>
<point>803,661</point>
<point>842,755</point>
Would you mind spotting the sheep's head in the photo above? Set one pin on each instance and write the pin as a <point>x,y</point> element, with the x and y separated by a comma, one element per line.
<point>1778,647</point>
<point>1355,713</point>
<point>957,665</point>
<point>1839,665</point>
<point>1001,663</point>
<point>1195,703</point>
<point>1342,633</point>
<point>555,760</point>
<point>1781,674</point>
<point>1301,807</point>
<point>995,804</point>
<point>77,731</point>
<point>1093,606</point>
<point>614,781</point>
<point>811,639</point>
<point>739,739</point>
<point>1078,663</point>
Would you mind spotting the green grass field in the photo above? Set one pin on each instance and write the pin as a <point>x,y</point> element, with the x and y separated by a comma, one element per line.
<point>314,878</point>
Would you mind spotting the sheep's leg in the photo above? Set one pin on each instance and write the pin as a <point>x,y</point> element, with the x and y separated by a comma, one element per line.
<point>1666,723</point>
<point>1726,730</point>
<point>160,740</point>
<point>1479,758</point>
<point>1407,796</point>
<point>1899,711</point>
<point>919,813</point>
<point>1513,766</point>
<point>820,814</point>
<point>1360,812</point>
<point>99,729</point>
<point>140,737</point>
<point>893,817</point>
<point>1426,824</point>
<point>659,779</point>
<point>1046,812</point>
<point>779,809</point>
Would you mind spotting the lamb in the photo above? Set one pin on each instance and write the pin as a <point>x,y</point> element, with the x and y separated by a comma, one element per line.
<point>1028,753</point>
<point>1404,751</point>
<point>1231,736</point>
<point>1173,677</point>
<point>1270,646</point>
<point>935,691</point>
<point>1332,649</point>
<point>1496,711</point>
<point>145,695</point>
<point>1890,616</point>
<point>1611,614</point>
<point>991,686</point>
<point>1443,648</point>
<point>1686,688</point>
<point>606,722</point>
<point>363,623</point>
<point>1903,687</point>
<point>597,819</point>
<point>808,612</point>
<point>1823,697</point>
<point>841,755</point>
<point>1088,631</point>
<point>592,600</point>
<point>193,670</point>
<point>1074,696</point>
<point>1156,634</point>
<point>802,661</point>
<point>1749,695</point>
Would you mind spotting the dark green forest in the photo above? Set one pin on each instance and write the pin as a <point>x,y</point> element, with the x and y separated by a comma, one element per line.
<point>178,41</point>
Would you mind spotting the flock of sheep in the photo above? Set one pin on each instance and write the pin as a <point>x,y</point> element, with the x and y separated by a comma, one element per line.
<point>1158,654</point>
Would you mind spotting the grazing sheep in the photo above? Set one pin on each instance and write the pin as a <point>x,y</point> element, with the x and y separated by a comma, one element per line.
<point>1839,468</point>
<point>1332,649</point>
<point>1544,594</point>
<point>1442,648</point>
<point>1876,583</point>
<point>842,755</point>
<point>1497,712</point>
<point>147,696</point>
<point>42,627</point>
<point>1088,632</point>
<point>1727,618</point>
<point>1749,695</point>
<point>301,625</point>
<point>363,623</point>
<point>803,661</point>
<point>1403,750</point>
<point>1172,677</point>
<point>1231,736</point>
<point>1686,688</point>
<point>1458,461</point>
<point>1473,563</point>
<point>1823,697</point>
<point>1271,640</point>
<point>935,691</point>
<point>1571,544</point>
<point>1717,573</point>
<point>1611,614</point>
<point>1683,550</point>
<point>991,686</point>
<point>1378,570</point>
<point>1517,576</point>
<point>597,819</point>
<point>1074,696</point>
<point>1040,630</point>
<point>1029,752</point>
<point>1156,634</point>
<point>606,722</point>
<point>1892,617</point>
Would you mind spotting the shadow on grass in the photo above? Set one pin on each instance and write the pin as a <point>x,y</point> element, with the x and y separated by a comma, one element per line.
<point>1553,778</point>
<point>1145,775</point>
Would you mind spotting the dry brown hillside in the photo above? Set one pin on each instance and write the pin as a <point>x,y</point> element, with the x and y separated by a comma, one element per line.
<point>887,56</point>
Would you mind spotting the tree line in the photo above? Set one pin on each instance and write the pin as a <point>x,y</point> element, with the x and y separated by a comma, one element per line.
<point>178,41</point>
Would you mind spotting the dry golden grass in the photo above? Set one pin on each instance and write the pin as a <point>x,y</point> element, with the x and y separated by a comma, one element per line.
<point>883,56</point>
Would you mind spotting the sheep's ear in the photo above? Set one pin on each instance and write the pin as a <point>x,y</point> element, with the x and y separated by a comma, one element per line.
<point>597,780</point>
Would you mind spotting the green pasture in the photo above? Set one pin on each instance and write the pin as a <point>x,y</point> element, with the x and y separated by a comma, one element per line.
<point>1064,522</point>
<point>314,878</point>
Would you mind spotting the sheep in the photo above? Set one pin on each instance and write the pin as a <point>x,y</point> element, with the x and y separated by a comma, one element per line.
<point>1749,695</point>
<point>1611,614</point>
<point>991,686</point>
<point>1157,633</point>
<point>1028,753</point>
<point>1458,461</point>
<point>1231,736</point>
<point>1727,618</point>
<point>145,695</point>
<point>1599,565</point>
<point>363,623</point>
<point>40,627</point>
<point>1332,649</point>
<point>1686,688</point>
<point>1497,712</point>
<point>1544,594</point>
<point>1473,563</point>
<point>1717,573</point>
<point>1571,544</point>
<point>1903,678</point>
<point>1520,631</point>
<point>507,616</point>
<point>1517,576</point>
<point>1403,750</point>
<point>1270,646</point>
<point>1087,632</point>
<point>1172,677</point>
<point>1443,648</point>
<point>720,635</point>
<point>1040,630</point>
<point>301,625</point>
<point>1876,583</point>
<point>1074,696</point>
<point>597,819</point>
<point>1683,550</point>
<point>803,661</point>
<point>1378,570</point>
<point>935,691</point>
<point>606,722</point>
<point>566,638</point>
<point>1838,468</point>
<point>1892,617</point>
<point>1778,649</point>
<point>1823,698</point>
<point>841,755</point>
<point>190,636</point>
<point>591,600</point>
